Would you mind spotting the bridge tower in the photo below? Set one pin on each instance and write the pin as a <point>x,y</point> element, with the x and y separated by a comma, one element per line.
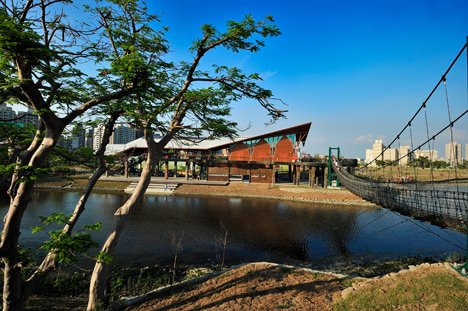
<point>330,165</point>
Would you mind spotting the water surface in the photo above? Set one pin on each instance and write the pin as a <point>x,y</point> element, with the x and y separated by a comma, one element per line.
<point>258,229</point>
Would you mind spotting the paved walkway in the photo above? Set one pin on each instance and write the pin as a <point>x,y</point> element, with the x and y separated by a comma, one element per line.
<point>181,180</point>
<point>161,180</point>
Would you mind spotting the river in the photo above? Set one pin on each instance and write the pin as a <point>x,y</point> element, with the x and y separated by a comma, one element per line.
<point>258,229</point>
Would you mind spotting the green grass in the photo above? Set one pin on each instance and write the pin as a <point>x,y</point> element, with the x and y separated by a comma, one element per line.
<point>436,291</point>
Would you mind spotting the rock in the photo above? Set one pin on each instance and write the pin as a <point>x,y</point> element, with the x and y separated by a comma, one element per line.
<point>345,293</point>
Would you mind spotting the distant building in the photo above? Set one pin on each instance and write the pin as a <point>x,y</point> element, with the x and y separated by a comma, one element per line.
<point>430,154</point>
<point>78,138</point>
<point>391,155</point>
<point>27,117</point>
<point>89,138</point>
<point>453,153</point>
<point>368,156</point>
<point>6,113</point>
<point>98,132</point>
<point>122,134</point>
<point>403,154</point>
<point>377,149</point>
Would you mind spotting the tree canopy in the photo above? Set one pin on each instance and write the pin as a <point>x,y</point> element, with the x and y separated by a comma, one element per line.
<point>45,63</point>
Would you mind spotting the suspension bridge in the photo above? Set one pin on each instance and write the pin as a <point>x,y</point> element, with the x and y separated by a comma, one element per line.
<point>442,202</point>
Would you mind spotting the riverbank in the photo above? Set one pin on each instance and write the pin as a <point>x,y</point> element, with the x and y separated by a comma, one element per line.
<point>406,284</point>
<point>267,286</point>
<point>233,189</point>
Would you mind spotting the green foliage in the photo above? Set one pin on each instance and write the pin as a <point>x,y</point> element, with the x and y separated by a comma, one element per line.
<point>421,162</point>
<point>29,173</point>
<point>63,245</point>
<point>439,164</point>
<point>103,257</point>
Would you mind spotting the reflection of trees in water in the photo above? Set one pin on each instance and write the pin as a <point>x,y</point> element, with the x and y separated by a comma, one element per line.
<point>263,226</point>
<point>285,229</point>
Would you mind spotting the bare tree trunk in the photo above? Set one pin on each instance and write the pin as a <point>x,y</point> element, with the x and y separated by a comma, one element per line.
<point>50,263</point>
<point>98,285</point>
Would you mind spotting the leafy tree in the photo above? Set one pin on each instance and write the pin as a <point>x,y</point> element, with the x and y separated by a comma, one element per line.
<point>379,163</point>
<point>421,162</point>
<point>41,56</point>
<point>439,164</point>
<point>178,100</point>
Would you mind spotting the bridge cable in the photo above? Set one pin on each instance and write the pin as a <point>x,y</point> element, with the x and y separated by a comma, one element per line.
<point>432,232</point>
<point>453,151</point>
<point>424,103</point>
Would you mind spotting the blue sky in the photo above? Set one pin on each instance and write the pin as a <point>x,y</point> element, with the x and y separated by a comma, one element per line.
<point>358,70</point>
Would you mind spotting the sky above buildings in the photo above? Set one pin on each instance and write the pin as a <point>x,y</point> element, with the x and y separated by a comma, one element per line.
<point>358,70</point>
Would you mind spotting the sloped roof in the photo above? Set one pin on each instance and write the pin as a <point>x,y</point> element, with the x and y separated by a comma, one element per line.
<point>215,144</point>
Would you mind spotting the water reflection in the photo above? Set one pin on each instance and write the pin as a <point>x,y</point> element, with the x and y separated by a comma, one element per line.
<point>257,229</point>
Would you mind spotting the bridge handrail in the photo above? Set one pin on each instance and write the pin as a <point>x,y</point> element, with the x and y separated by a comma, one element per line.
<point>448,207</point>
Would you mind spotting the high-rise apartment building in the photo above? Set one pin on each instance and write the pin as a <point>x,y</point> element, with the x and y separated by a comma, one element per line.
<point>430,154</point>
<point>390,155</point>
<point>27,117</point>
<point>122,134</point>
<point>6,113</point>
<point>78,139</point>
<point>377,149</point>
<point>403,154</point>
<point>453,153</point>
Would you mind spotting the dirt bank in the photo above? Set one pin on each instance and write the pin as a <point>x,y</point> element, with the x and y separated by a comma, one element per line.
<point>265,286</point>
<point>316,195</point>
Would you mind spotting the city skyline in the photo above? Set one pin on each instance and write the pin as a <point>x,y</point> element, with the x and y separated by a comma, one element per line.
<point>357,70</point>
<point>453,153</point>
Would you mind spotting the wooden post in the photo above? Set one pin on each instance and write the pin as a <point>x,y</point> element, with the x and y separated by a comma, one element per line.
<point>175,168</point>
<point>325,177</point>
<point>166,170</point>
<point>298,175</point>
<point>187,169</point>
<point>294,174</point>
<point>273,175</point>
<point>289,173</point>
<point>126,169</point>
<point>311,176</point>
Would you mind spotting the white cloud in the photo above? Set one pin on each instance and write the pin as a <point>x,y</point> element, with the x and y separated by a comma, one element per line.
<point>268,74</point>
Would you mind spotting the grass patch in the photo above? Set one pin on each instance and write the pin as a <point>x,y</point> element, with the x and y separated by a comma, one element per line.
<point>432,290</point>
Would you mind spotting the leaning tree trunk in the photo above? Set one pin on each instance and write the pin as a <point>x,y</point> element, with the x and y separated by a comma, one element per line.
<point>50,262</point>
<point>20,195</point>
<point>98,285</point>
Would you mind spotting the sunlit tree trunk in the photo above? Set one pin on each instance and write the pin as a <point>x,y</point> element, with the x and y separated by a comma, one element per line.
<point>98,285</point>
<point>49,263</point>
